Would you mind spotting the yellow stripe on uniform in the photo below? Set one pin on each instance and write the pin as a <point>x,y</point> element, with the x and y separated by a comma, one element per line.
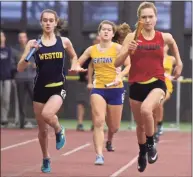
<point>72,77</point>
<point>153,79</point>
<point>54,84</point>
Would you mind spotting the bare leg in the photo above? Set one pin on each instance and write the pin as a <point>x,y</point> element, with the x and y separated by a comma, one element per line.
<point>98,114</point>
<point>49,112</point>
<point>43,129</point>
<point>113,119</point>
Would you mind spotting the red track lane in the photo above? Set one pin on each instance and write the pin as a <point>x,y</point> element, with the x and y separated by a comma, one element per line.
<point>174,157</point>
<point>28,156</point>
<point>82,163</point>
<point>14,136</point>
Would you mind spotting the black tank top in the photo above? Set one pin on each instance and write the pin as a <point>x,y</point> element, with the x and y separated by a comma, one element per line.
<point>50,64</point>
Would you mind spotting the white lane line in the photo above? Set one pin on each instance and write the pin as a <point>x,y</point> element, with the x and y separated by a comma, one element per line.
<point>130,163</point>
<point>23,143</point>
<point>76,149</point>
<point>122,169</point>
<point>19,144</point>
<point>34,167</point>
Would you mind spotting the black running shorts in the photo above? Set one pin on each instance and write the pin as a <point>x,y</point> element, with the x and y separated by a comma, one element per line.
<point>139,92</point>
<point>42,94</point>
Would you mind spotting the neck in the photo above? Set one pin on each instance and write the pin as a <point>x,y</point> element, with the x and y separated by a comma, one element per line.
<point>2,45</point>
<point>105,44</point>
<point>148,33</point>
<point>48,36</point>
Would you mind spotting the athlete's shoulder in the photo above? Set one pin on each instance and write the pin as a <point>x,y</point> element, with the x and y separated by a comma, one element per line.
<point>92,47</point>
<point>118,46</point>
<point>167,36</point>
<point>66,42</point>
<point>88,51</point>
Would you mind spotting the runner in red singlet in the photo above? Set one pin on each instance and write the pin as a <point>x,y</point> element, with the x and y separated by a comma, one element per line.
<point>146,77</point>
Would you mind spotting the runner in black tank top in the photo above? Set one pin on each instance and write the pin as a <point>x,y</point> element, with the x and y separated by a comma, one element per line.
<point>50,71</point>
<point>49,83</point>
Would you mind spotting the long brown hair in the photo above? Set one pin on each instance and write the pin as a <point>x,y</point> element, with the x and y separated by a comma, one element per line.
<point>61,23</point>
<point>122,31</point>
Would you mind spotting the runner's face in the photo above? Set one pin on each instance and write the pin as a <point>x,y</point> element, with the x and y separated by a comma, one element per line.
<point>48,22</point>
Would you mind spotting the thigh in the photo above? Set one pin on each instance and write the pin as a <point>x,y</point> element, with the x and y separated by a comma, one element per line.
<point>56,96</point>
<point>153,99</point>
<point>53,104</point>
<point>38,107</point>
<point>157,92</point>
<point>114,114</point>
<point>135,108</point>
<point>98,107</point>
<point>167,97</point>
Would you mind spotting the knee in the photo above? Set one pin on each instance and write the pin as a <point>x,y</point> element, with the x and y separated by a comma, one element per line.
<point>114,130</point>
<point>99,123</point>
<point>43,133</point>
<point>146,111</point>
<point>47,114</point>
<point>140,128</point>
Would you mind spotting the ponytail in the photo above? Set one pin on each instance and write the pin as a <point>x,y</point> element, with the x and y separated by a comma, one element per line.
<point>122,31</point>
<point>61,25</point>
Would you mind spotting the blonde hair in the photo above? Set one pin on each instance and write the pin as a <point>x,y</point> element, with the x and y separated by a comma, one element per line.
<point>109,23</point>
<point>145,5</point>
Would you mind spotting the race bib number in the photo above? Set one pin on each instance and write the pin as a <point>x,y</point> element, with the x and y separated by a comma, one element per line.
<point>63,93</point>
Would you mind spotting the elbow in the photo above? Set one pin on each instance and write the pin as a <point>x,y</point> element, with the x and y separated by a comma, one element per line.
<point>117,63</point>
<point>20,68</point>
